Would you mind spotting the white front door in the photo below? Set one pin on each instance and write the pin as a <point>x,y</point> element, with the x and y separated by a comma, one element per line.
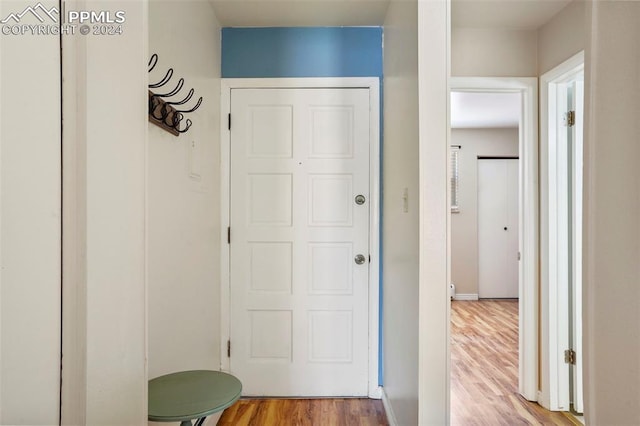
<point>299,250</point>
<point>497,228</point>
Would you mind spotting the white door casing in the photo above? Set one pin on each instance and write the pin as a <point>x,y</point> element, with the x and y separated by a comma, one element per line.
<point>498,228</point>
<point>555,264</point>
<point>299,309</point>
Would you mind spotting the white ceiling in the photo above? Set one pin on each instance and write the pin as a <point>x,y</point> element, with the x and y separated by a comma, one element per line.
<point>522,14</point>
<point>484,110</point>
<point>300,13</point>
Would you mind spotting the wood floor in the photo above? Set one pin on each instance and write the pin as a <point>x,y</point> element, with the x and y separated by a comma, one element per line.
<point>484,368</point>
<point>305,412</point>
<point>484,382</point>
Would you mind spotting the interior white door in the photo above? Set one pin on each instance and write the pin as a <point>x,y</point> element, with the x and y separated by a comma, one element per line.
<point>576,143</point>
<point>497,228</point>
<point>299,241</point>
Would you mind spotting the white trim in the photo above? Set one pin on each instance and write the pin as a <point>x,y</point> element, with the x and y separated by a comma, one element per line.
<point>528,195</point>
<point>1,233</point>
<point>225,221</point>
<point>465,297</point>
<point>371,83</point>
<point>388,409</point>
<point>554,303</point>
<point>73,398</point>
<point>376,392</point>
<point>300,83</point>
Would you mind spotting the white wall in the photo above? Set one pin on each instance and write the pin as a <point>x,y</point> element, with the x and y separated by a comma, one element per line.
<point>116,276</point>
<point>433,318</point>
<point>30,225</point>
<point>612,202</point>
<point>483,52</point>
<point>506,52</point>
<point>183,195</point>
<point>464,225</point>
<point>105,137</point>
<point>400,227</point>
<point>562,37</point>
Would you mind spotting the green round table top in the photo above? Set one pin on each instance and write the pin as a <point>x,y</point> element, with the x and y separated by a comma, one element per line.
<point>190,395</point>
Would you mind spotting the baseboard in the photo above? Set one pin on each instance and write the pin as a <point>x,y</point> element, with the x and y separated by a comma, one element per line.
<point>391,418</point>
<point>375,393</point>
<point>460,296</point>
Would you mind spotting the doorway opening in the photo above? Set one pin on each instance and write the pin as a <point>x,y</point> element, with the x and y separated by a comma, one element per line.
<point>485,186</point>
<point>484,156</point>
<point>524,132</point>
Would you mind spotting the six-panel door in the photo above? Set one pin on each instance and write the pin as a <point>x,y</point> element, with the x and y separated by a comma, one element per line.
<point>299,299</point>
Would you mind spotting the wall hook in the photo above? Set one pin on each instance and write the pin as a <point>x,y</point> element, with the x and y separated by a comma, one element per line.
<point>162,111</point>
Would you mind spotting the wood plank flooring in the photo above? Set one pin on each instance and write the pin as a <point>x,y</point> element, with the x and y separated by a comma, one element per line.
<point>484,382</point>
<point>305,412</point>
<point>484,368</point>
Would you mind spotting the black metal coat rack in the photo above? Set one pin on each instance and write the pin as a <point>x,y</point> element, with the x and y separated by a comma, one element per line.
<point>162,111</point>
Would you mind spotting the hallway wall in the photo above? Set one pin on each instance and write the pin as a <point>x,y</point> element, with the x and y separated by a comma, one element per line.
<point>612,201</point>
<point>183,193</point>
<point>562,37</point>
<point>485,52</point>
<point>400,237</point>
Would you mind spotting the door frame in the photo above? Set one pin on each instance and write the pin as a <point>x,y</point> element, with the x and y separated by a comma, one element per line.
<point>554,389</point>
<point>528,226</point>
<point>373,85</point>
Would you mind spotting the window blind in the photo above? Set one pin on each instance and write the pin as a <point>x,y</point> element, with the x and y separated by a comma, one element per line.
<point>455,151</point>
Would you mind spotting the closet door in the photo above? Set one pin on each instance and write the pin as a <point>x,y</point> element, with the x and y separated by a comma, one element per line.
<point>498,228</point>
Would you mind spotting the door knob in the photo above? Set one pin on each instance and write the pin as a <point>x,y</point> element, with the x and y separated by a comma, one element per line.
<point>359,259</point>
<point>360,199</point>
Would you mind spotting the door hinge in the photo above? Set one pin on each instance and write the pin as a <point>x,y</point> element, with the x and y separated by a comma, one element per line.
<point>228,235</point>
<point>229,121</point>
<point>570,357</point>
<point>519,256</point>
<point>570,118</point>
<point>228,348</point>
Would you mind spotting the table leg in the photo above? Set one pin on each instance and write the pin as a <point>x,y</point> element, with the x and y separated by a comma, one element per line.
<point>199,422</point>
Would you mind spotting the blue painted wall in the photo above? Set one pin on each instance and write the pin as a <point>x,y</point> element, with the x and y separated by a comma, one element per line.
<point>308,52</point>
<point>302,52</point>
